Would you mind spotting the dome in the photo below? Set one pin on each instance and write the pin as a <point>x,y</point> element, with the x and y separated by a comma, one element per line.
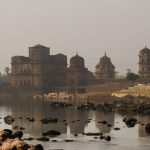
<point>105,59</point>
<point>145,50</point>
<point>77,62</point>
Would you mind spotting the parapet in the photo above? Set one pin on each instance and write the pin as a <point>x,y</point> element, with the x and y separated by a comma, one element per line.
<point>19,59</point>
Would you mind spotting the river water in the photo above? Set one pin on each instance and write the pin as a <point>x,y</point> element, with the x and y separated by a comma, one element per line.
<point>77,123</point>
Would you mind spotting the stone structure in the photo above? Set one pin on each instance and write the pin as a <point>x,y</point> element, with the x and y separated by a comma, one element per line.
<point>144,64</point>
<point>39,70</point>
<point>77,73</point>
<point>105,69</point>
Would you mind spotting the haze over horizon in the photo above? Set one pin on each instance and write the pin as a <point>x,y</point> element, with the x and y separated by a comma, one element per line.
<point>89,27</point>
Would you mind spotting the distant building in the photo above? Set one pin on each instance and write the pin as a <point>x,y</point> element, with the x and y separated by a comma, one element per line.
<point>40,69</point>
<point>144,63</point>
<point>105,69</point>
<point>77,73</point>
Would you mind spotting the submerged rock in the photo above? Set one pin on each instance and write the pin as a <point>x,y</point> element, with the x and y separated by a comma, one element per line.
<point>19,128</point>
<point>102,137</point>
<point>38,147</point>
<point>130,122</point>
<point>9,119</point>
<point>17,134</point>
<point>49,120</point>
<point>44,138</point>
<point>147,128</point>
<point>93,134</point>
<point>108,138</point>
<point>109,125</point>
<point>28,139</point>
<point>31,119</point>
<point>51,133</point>
<point>68,140</point>
<point>116,128</point>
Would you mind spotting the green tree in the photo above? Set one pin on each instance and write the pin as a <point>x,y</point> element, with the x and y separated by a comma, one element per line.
<point>131,76</point>
<point>7,70</point>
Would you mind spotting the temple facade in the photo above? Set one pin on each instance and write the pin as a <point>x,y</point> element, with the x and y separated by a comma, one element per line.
<point>77,73</point>
<point>105,69</point>
<point>39,69</point>
<point>144,64</point>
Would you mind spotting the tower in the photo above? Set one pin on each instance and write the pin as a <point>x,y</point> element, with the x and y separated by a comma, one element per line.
<point>144,64</point>
<point>77,73</point>
<point>105,69</point>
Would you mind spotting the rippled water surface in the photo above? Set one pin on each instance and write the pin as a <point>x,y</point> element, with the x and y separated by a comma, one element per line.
<point>126,138</point>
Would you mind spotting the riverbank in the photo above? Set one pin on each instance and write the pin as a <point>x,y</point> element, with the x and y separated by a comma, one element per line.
<point>94,93</point>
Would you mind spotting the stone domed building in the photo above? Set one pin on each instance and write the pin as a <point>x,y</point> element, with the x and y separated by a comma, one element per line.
<point>77,73</point>
<point>144,63</point>
<point>105,69</point>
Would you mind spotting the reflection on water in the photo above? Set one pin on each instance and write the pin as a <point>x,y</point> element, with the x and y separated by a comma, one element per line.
<point>101,116</point>
<point>72,121</point>
<point>144,120</point>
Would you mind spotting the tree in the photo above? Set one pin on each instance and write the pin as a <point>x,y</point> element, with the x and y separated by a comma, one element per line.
<point>131,76</point>
<point>7,70</point>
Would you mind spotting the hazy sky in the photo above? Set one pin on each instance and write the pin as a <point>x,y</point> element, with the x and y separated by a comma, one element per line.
<point>91,27</point>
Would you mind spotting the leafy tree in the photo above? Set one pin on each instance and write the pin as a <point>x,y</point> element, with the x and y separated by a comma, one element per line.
<point>131,76</point>
<point>7,70</point>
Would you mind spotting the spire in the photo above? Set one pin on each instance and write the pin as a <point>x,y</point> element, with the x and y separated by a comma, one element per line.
<point>145,46</point>
<point>105,53</point>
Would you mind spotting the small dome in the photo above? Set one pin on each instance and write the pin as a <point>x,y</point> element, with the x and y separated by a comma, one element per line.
<point>145,49</point>
<point>77,62</point>
<point>105,59</point>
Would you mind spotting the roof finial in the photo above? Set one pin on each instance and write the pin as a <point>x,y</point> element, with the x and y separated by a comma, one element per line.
<point>145,46</point>
<point>105,53</point>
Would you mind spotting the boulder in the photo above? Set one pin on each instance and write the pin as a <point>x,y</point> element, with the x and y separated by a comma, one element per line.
<point>130,122</point>
<point>44,138</point>
<point>9,119</point>
<point>49,120</point>
<point>38,147</point>
<point>17,134</point>
<point>147,128</point>
<point>108,138</point>
<point>51,133</point>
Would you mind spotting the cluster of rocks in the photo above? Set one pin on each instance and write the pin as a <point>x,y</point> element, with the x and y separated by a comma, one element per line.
<point>60,104</point>
<point>14,141</point>
<point>133,105</point>
<point>98,107</point>
<point>131,122</point>
<point>140,105</point>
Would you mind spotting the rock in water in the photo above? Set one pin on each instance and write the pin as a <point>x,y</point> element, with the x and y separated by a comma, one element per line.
<point>108,138</point>
<point>38,147</point>
<point>9,119</point>
<point>51,133</point>
<point>18,134</point>
<point>116,128</point>
<point>130,122</point>
<point>147,128</point>
<point>44,138</point>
